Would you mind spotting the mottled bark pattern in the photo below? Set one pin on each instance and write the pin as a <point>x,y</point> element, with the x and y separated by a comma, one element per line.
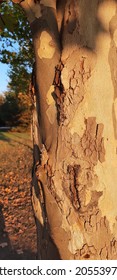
<point>75,116</point>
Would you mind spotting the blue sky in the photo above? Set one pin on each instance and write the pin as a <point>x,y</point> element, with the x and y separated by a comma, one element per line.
<point>3,77</point>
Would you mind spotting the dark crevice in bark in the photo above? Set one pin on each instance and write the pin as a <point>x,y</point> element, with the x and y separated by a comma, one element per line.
<point>60,7</point>
<point>73,175</point>
<point>59,93</point>
<point>46,248</point>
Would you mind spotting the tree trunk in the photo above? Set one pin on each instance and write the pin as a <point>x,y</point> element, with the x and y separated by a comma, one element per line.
<point>75,127</point>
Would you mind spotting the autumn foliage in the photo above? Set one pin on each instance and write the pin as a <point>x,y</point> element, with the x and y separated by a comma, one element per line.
<point>15,110</point>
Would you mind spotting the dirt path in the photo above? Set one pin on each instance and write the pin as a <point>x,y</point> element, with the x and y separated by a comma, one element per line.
<point>17,224</point>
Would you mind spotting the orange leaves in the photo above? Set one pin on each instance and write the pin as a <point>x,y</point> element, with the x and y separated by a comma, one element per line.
<point>15,196</point>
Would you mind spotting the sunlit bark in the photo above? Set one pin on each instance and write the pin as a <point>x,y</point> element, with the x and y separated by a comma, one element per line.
<point>75,125</point>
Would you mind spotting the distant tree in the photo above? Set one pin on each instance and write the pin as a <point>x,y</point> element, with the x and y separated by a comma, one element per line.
<point>19,79</point>
<point>16,46</point>
<point>9,110</point>
<point>1,99</point>
<point>16,50</point>
<point>15,110</point>
<point>25,105</point>
<point>2,121</point>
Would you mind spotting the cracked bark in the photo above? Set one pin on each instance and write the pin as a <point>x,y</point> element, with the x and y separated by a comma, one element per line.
<point>74,128</point>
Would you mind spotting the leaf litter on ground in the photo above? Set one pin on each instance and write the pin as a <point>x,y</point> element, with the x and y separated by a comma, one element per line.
<point>17,223</point>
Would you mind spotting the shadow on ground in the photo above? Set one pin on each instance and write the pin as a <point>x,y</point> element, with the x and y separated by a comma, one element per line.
<point>6,250</point>
<point>10,140</point>
<point>3,137</point>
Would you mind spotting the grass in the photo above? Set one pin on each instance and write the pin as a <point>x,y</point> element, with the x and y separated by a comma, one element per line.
<point>19,137</point>
<point>3,136</point>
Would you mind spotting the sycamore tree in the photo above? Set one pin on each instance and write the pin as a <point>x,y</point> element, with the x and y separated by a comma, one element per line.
<point>74,127</point>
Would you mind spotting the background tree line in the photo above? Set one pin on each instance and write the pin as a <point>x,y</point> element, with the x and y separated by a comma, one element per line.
<point>16,51</point>
<point>15,110</point>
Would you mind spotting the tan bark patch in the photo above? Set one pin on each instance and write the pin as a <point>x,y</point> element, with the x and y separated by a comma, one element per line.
<point>47,47</point>
<point>49,98</point>
<point>98,101</point>
<point>87,197</point>
<point>35,8</point>
<point>76,241</point>
<point>32,9</point>
<point>49,3</point>
<point>105,12</point>
<point>51,113</point>
<point>115,114</point>
<point>115,37</point>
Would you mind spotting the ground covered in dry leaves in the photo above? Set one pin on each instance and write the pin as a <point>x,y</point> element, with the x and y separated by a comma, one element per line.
<point>17,224</point>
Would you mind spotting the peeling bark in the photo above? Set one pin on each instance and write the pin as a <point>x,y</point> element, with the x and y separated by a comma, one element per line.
<point>75,143</point>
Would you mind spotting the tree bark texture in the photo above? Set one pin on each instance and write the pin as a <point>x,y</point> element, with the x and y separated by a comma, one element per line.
<point>75,127</point>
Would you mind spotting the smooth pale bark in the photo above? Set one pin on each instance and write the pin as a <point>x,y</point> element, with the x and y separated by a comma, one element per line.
<point>75,127</point>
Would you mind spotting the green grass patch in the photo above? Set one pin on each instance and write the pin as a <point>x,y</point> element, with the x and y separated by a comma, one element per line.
<point>19,137</point>
<point>4,137</point>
